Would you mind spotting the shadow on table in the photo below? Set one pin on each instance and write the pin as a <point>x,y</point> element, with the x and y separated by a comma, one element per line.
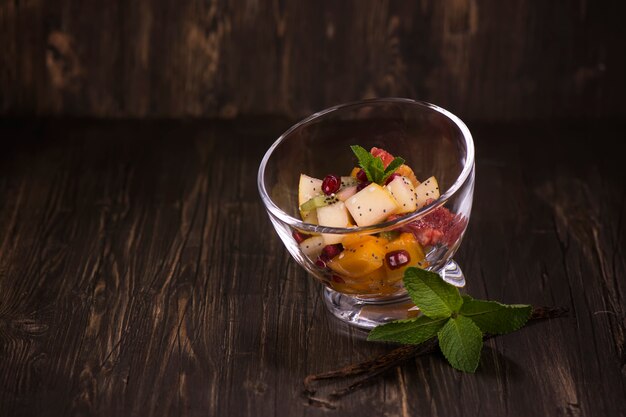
<point>494,364</point>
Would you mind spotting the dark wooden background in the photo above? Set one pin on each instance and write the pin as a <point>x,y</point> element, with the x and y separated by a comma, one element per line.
<point>482,59</point>
<point>140,276</point>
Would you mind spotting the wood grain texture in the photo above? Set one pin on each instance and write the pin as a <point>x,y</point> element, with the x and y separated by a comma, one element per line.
<point>482,59</point>
<point>140,276</point>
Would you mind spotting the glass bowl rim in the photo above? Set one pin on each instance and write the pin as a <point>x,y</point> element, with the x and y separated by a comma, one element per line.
<point>279,214</point>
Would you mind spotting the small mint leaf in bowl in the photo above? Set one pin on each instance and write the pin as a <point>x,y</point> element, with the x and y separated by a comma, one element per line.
<point>373,166</point>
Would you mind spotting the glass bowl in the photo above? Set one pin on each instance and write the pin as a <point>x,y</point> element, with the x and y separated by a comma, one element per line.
<point>433,142</point>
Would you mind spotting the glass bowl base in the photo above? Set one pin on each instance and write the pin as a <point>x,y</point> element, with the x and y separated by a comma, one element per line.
<point>367,314</point>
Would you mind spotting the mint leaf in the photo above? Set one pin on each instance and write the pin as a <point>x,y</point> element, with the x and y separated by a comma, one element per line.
<point>377,170</point>
<point>466,297</point>
<point>374,167</point>
<point>457,321</point>
<point>410,331</point>
<point>431,294</point>
<point>392,167</point>
<point>493,317</point>
<point>461,341</point>
<point>365,159</point>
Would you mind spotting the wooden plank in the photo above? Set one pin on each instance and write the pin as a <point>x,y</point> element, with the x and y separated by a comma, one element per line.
<point>139,275</point>
<point>481,59</point>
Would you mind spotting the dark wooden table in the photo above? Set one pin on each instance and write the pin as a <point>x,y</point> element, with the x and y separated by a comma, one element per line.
<point>140,276</point>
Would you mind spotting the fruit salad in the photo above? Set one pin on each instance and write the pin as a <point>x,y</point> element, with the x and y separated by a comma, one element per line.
<point>380,189</point>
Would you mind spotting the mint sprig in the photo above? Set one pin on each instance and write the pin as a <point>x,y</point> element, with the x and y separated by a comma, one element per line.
<point>373,165</point>
<point>457,321</point>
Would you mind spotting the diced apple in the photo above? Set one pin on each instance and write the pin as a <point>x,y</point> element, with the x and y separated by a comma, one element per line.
<point>309,216</point>
<point>308,188</point>
<point>333,215</point>
<point>428,190</point>
<point>312,247</point>
<point>371,205</point>
<point>402,190</point>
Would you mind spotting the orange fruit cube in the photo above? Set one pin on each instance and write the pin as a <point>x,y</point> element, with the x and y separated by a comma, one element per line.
<point>359,258</point>
<point>407,242</point>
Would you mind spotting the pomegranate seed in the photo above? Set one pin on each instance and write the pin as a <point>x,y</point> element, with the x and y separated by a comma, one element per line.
<point>320,263</point>
<point>362,185</point>
<point>299,237</point>
<point>338,279</point>
<point>397,258</point>
<point>391,177</point>
<point>361,176</point>
<point>330,251</point>
<point>331,184</point>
